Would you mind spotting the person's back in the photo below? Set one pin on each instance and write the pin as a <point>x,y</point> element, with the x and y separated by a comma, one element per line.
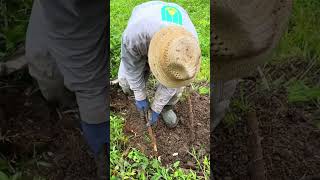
<point>148,18</point>
<point>73,19</point>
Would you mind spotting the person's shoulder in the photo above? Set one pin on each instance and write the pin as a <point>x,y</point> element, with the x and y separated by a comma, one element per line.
<point>178,6</point>
<point>141,28</point>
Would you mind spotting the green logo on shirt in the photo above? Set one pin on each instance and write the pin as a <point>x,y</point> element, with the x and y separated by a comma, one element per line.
<point>171,14</point>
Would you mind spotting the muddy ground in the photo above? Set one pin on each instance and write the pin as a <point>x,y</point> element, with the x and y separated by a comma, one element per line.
<point>169,141</point>
<point>290,139</point>
<point>32,133</point>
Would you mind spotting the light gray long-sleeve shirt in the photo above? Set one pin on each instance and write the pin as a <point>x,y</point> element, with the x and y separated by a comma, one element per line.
<point>147,19</point>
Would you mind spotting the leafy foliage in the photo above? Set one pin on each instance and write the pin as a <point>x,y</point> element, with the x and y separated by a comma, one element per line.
<point>299,92</point>
<point>302,38</point>
<point>14,16</point>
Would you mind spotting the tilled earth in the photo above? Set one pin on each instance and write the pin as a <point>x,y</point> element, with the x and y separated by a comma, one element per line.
<point>33,133</point>
<point>290,138</point>
<point>50,143</point>
<point>173,144</point>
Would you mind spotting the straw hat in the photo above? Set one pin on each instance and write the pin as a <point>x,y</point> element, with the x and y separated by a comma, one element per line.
<point>244,34</point>
<point>174,56</point>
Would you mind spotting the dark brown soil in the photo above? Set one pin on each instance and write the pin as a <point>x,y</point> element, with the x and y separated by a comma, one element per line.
<point>32,132</point>
<point>169,141</point>
<point>291,145</point>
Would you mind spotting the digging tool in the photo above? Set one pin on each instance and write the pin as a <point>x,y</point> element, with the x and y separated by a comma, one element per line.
<point>256,166</point>
<point>191,126</point>
<point>153,138</point>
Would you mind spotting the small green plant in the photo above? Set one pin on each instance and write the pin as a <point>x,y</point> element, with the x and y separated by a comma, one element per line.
<point>16,171</point>
<point>203,90</point>
<point>230,119</point>
<point>242,102</point>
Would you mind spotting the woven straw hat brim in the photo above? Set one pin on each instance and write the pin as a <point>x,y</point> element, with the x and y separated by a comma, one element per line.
<point>158,54</point>
<point>244,34</point>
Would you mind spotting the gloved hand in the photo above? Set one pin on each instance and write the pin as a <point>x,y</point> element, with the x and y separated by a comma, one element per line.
<point>142,105</point>
<point>153,118</point>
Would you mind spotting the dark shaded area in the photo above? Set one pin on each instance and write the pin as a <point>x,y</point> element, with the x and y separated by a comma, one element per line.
<point>290,138</point>
<point>38,139</point>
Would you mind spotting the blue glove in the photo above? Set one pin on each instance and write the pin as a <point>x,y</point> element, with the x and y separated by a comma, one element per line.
<point>153,118</point>
<point>96,135</point>
<point>142,105</point>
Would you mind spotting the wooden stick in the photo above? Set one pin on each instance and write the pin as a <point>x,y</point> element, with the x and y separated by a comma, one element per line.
<point>191,126</point>
<point>153,138</point>
<point>256,166</point>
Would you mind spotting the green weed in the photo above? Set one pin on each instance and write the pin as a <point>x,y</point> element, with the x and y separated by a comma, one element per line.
<point>230,119</point>
<point>17,171</point>
<point>14,16</point>
<point>203,90</point>
<point>302,36</point>
<point>239,105</point>
<point>299,92</point>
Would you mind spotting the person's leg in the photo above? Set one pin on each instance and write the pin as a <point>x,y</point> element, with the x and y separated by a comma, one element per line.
<point>222,93</point>
<point>87,76</point>
<point>50,82</point>
<point>42,66</point>
<point>167,113</point>
<point>174,100</point>
<point>122,79</point>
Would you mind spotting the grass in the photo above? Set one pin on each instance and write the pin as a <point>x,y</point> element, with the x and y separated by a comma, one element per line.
<point>20,170</point>
<point>299,92</point>
<point>14,16</point>
<point>239,105</point>
<point>132,164</point>
<point>302,38</point>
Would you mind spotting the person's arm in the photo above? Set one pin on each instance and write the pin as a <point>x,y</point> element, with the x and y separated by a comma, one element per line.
<point>134,63</point>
